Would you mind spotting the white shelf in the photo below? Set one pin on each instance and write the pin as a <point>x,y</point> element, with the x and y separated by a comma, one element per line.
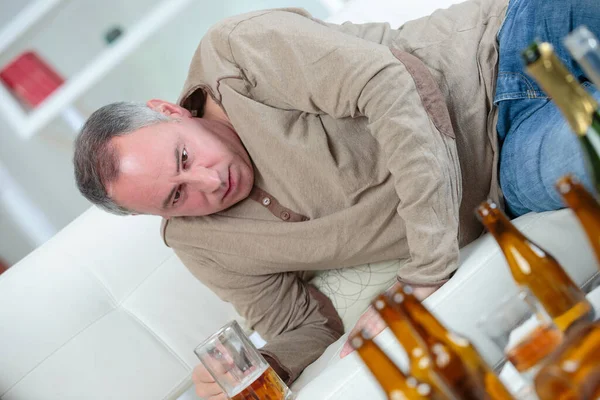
<point>26,19</point>
<point>27,215</point>
<point>27,125</point>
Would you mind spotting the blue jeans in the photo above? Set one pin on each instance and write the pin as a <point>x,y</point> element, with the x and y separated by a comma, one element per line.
<point>537,145</point>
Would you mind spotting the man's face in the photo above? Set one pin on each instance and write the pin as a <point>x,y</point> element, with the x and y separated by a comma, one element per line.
<point>183,167</point>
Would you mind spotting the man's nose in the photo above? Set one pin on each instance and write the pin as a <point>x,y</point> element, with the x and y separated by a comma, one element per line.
<point>204,179</point>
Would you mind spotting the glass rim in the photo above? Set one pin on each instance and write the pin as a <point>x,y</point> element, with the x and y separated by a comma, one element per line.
<point>230,324</point>
<point>522,295</point>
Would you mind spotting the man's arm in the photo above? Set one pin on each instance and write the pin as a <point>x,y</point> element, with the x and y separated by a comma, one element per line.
<point>292,62</point>
<point>293,350</point>
<point>297,321</point>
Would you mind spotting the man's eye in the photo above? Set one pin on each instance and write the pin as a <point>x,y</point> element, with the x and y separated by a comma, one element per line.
<point>177,196</point>
<point>184,156</point>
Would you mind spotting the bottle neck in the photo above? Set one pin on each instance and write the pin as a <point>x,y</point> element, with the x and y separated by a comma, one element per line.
<point>576,104</point>
<point>590,63</point>
<point>585,207</point>
<point>500,226</point>
<point>577,197</point>
<point>585,49</point>
<point>384,370</point>
<point>418,317</point>
<point>421,316</point>
<point>398,321</point>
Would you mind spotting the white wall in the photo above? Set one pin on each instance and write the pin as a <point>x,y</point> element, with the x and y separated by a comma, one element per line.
<point>68,39</point>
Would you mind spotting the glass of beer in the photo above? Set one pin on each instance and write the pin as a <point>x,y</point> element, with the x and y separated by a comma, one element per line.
<point>523,330</point>
<point>238,367</point>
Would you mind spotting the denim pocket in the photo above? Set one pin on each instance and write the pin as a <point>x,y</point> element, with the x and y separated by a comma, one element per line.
<point>516,85</point>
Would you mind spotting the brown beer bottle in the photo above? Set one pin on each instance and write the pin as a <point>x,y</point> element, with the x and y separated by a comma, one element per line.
<point>396,385</point>
<point>573,371</point>
<point>532,267</point>
<point>585,207</point>
<point>460,346</point>
<point>422,365</point>
<point>447,361</point>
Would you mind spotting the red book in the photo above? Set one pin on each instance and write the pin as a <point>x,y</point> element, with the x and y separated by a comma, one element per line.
<point>3,267</point>
<point>30,78</point>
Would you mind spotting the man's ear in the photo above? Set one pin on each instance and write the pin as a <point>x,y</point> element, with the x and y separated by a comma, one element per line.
<point>168,109</point>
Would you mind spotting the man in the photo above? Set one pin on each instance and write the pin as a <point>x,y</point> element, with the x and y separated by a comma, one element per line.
<point>298,146</point>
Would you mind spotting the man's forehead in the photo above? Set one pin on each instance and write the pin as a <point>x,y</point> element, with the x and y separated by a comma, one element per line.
<point>145,163</point>
<point>141,190</point>
<point>132,164</point>
<point>139,152</point>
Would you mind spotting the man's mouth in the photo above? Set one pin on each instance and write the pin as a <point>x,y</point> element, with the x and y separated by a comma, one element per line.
<point>230,183</point>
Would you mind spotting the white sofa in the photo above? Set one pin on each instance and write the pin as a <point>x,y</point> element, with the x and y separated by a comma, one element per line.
<point>105,311</point>
<point>482,280</point>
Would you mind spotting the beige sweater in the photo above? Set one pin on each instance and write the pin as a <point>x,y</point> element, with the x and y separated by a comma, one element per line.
<point>368,143</point>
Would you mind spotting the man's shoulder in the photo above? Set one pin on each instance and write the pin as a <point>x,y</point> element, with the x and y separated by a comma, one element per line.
<point>228,25</point>
<point>214,58</point>
<point>174,230</point>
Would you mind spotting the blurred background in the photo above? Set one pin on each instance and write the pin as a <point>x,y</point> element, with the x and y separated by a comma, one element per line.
<point>62,59</point>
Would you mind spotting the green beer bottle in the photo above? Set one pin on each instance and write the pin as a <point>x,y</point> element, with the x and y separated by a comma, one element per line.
<point>578,106</point>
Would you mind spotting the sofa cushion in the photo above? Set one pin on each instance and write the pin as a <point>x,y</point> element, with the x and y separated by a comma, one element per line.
<point>103,310</point>
<point>352,289</point>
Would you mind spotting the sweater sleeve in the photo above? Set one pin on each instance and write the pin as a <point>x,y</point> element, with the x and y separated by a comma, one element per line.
<point>296,319</point>
<point>291,61</point>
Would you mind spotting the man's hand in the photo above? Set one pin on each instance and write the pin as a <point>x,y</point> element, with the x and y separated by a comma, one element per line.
<point>372,322</point>
<point>206,387</point>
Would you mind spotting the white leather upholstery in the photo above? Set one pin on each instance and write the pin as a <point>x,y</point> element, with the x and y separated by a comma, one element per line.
<point>104,310</point>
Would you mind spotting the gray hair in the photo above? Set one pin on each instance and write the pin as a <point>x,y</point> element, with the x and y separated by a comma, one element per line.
<point>96,160</point>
